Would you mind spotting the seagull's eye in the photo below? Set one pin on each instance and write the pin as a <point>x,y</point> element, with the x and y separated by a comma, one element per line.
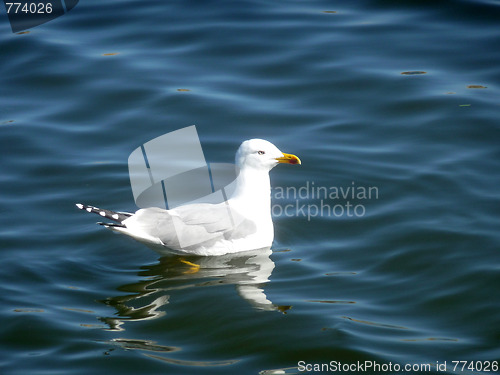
<point>261,152</point>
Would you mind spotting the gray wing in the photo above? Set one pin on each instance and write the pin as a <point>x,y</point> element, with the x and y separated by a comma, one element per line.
<point>192,225</point>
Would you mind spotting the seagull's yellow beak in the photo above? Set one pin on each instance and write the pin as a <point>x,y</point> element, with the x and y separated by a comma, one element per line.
<point>289,159</point>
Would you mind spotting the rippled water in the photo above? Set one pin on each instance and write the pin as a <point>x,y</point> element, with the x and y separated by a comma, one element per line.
<point>398,96</point>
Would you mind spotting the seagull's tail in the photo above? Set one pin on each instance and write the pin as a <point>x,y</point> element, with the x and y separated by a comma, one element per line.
<point>117,217</point>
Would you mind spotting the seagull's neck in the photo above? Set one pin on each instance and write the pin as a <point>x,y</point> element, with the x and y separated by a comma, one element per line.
<point>253,184</point>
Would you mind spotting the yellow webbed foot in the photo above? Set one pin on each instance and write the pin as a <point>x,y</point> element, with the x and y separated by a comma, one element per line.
<point>193,267</point>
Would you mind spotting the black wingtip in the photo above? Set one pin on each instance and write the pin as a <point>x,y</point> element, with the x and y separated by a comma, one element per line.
<point>108,214</point>
<point>111,225</point>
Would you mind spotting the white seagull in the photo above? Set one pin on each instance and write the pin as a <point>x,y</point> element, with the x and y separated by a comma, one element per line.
<point>241,223</point>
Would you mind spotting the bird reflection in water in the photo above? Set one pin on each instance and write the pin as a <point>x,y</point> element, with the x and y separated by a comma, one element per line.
<point>248,271</point>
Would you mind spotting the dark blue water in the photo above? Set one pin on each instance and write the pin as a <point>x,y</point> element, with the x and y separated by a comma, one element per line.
<point>411,277</point>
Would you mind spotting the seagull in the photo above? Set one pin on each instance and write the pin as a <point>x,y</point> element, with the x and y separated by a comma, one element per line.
<point>241,223</point>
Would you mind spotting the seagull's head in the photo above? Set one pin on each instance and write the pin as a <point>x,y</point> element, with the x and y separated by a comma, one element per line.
<point>263,155</point>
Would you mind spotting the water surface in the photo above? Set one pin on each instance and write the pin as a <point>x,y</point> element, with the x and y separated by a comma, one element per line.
<point>414,280</point>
